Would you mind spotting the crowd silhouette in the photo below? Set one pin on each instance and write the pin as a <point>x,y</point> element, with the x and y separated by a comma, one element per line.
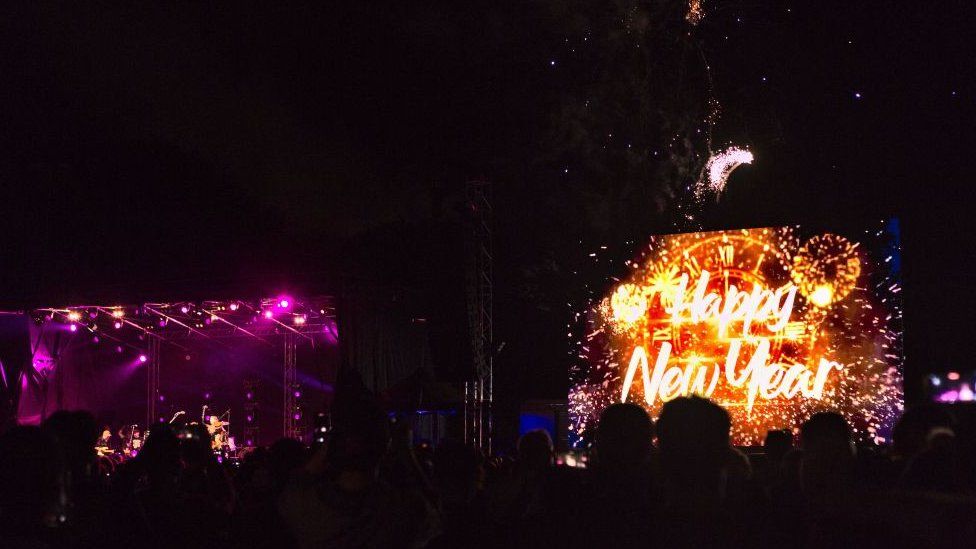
<point>675,483</point>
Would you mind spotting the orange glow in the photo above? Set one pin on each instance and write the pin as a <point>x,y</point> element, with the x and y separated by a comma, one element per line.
<point>753,319</point>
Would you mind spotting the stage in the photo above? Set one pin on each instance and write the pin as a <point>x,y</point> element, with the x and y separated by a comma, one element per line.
<point>262,368</point>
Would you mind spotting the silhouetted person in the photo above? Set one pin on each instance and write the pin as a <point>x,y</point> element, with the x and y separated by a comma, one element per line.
<point>619,489</point>
<point>458,478</point>
<point>32,491</point>
<point>337,499</point>
<point>828,456</point>
<point>693,436</point>
<point>517,496</point>
<point>778,442</point>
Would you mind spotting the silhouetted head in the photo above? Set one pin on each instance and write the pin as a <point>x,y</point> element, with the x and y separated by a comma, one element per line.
<point>777,443</point>
<point>912,430</point>
<point>31,478</point>
<point>624,436</point>
<point>825,432</point>
<point>535,450</point>
<point>77,433</point>
<point>693,437</point>
<point>458,470</point>
<point>286,456</point>
<point>827,461</point>
<point>360,438</point>
<point>161,454</point>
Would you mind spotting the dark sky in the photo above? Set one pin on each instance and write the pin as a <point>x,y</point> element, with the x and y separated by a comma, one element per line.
<point>147,150</point>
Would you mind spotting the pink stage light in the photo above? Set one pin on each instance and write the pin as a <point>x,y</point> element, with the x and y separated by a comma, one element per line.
<point>298,394</point>
<point>73,328</point>
<point>299,320</point>
<point>269,314</point>
<point>184,309</point>
<point>143,358</point>
<point>298,416</point>
<point>117,324</point>
<point>250,419</point>
<point>284,303</point>
<point>233,306</point>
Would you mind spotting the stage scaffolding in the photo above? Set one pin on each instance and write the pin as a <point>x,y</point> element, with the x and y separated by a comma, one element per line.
<point>280,322</point>
<point>478,397</point>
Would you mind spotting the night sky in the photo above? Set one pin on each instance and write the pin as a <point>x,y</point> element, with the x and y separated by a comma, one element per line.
<point>161,150</point>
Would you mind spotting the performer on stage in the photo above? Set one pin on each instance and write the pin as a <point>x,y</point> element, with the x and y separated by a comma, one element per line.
<point>107,443</point>
<point>218,431</point>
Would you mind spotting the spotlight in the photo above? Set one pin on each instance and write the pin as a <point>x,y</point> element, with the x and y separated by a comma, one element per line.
<point>300,319</point>
<point>233,306</point>
<point>184,309</point>
<point>249,395</point>
<point>250,418</point>
<point>206,396</point>
<point>73,328</point>
<point>95,339</point>
<point>297,415</point>
<point>163,322</point>
<point>118,313</point>
<point>118,349</point>
<point>74,316</point>
<point>269,314</point>
<point>162,398</point>
<point>117,324</point>
<point>298,394</point>
<point>143,358</point>
<point>283,303</point>
<point>187,357</point>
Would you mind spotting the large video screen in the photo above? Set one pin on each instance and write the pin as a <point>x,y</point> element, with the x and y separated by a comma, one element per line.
<point>774,324</point>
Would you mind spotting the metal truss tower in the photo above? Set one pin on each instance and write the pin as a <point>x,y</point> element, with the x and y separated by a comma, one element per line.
<point>152,393</point>
<point>294,418</point>
<point>478,396</point>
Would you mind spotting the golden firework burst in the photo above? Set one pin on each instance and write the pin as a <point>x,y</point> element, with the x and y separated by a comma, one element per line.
<point>825,269</point>
<point>628,304</point>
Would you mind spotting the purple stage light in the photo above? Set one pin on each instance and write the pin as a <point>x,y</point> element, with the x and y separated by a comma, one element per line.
<point>162,398</point>
<point>298,394</point>
<point>284,302</point>
<point>250,419</point>
<point>206,396</point>
<point>143,358</point>
<point>184,309</point>
<point>298,416</point>
<point>249,442</point>
<point>269,314</point>
<point>233,306</point>
<point>117,324</point>
<point>249,395</point>
<point>95,339</point>
<point>118,348</point>
<point>73,328</point>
